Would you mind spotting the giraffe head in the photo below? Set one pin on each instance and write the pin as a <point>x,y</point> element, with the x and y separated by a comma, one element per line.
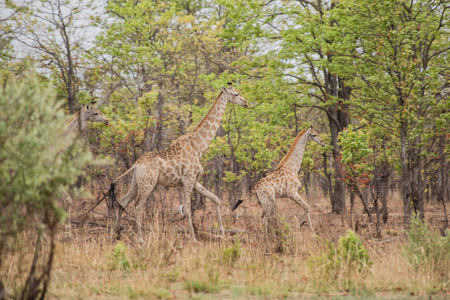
<point>314,137</point>
<point>234,96</point>
<point>92,113</point>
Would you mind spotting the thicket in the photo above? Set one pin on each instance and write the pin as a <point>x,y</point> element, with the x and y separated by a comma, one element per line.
<point>341,265</point>
<point>36,163</point>
<point>427,251</point>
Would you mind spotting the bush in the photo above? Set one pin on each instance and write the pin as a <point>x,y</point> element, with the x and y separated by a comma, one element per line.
<point>118,258</point>
<point>232,254</point>
<point>348,259</point>
<point>31,172</point>
<point>428,252</point>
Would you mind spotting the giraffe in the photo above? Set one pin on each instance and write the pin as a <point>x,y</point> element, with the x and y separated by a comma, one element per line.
<point>178,166</point>
<point>283,182</point>
<point>79,121</point>
<point>77,124</point>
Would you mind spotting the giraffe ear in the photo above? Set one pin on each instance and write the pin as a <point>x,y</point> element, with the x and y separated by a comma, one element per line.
<point>87,107</point>
<point>224,89</point>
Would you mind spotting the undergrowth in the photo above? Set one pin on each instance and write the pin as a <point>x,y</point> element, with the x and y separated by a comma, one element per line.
<point>343,264</point>
<point>427,251</point>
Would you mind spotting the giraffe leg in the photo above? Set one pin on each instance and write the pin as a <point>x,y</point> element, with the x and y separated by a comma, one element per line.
<point>66,205</point>
<point>202,190</point>
<point>146,187</point>
<point>267,201</point>
<point>188,186</point>
<point>297,199</point>
<point>139,212</point>
<point>130,196</point>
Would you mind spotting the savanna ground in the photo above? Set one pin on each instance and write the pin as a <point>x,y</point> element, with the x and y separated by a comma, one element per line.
<point>170,266</point>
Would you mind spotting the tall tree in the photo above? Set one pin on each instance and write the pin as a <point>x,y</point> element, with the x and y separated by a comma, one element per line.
<point>57,35</point>
<point>396,52</point>
<point>294,39</point>
<point>33,176</point>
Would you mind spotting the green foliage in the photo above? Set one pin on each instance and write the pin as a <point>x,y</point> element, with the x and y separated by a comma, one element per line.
<point>233,253</point>
<point>352,252</point>
<point>37,162</point>
<point>283,235</point>
<point>118,258</point>
<point>356,156</point>
<point>162,293</point>
<point>350,258</point>
<point>395,66</point>
<point>427,251</point>
<point>201,286</point>
<point>128,123</point>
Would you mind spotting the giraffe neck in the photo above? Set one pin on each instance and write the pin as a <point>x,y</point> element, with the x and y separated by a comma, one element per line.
<point>205,131</point>
<point>75,124</point>
<point>293,160</point>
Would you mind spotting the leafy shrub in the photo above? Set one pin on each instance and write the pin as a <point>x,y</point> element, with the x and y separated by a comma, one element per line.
<point>352,253</point>
<point>31,173</point>
<point>162,294</point>
<point>200,286</point>
<point>232,254</point>
<point>118,259</point>
<point>426,251</point>
<point>349,258</point>
<point>283,234</point>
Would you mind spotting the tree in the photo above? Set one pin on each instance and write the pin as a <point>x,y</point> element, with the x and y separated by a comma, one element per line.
<point>57,36</point>
<point>396,52</point>
<point>293,58</point>
<point>36,163</point>
<point>10,26</point>
<point>367,159</point>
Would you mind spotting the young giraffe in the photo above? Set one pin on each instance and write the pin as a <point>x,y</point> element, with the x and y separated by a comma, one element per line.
<point>284,182</point>
<point>178,165</point>
<point>77,124</point>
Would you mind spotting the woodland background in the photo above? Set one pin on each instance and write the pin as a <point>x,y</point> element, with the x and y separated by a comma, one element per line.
<point>371,76</point>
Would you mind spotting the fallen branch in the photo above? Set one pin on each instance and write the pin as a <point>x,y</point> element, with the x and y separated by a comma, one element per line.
<point>92,224</point>
<point>385,241</point>
<point>217,231</point>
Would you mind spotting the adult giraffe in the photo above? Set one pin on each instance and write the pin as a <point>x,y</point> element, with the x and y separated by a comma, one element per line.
<point>283,182</point>
<point>178,165</point>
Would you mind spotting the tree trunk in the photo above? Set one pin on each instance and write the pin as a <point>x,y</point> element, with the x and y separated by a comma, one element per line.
<point>405,178</point>
<point>377,211</point>
<point>416,185</point>
<point>307,182</point>
<point>352,208</point>
<point>384,187</point>
<point>441,179</point>
<point>329,181</point>
<point>338,205</point>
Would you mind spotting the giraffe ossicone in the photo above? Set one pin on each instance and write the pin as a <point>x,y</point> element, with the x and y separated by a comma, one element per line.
<point>178,165</point>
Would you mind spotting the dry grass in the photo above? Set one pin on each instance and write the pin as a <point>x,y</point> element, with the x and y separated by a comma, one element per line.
<point>169,266</point>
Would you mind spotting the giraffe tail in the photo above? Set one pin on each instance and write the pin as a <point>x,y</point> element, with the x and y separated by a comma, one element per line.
<point>111,192</point>
<point>237,204</point>
<point>126,172</point>
<point>113,198</point>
